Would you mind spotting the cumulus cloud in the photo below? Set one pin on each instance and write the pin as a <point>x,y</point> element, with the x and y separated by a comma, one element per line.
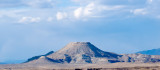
<point>139,11</point>
<point>84,11</point>
<point>150,9</point>
<point>109,8</point>
<point>78,9</point>
<point>78,12</point>
<point>89,9</point>
<point>61,15</point>
<point>94,9</point>
<point>29,19</point>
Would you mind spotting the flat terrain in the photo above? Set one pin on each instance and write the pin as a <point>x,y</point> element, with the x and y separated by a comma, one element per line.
<point>114,66</point>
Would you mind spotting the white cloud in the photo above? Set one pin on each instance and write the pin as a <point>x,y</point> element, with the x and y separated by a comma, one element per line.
<point>23,19</point>
<point>29,19</point>
<point>89,9</point>
<point>93,9</point>
<point>84,11</point>
<point>151,9</point>
<point>139,11</point>
<point>77,9</point>
<point>36,19</point>
<point>109,8</point>
<point>61,15</point>
<point>78,12</point>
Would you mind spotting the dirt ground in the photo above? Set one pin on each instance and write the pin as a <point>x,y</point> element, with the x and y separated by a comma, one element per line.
<point>114,66</point>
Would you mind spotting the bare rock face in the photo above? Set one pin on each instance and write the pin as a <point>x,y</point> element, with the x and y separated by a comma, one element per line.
<point>142,58</point>
<point>44,60</point>
<point>83,52</point>
<point>37,57</point>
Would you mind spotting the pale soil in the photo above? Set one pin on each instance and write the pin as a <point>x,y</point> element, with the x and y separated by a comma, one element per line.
<point>114,66</point>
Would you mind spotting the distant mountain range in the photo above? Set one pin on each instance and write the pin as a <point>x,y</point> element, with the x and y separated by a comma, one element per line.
<point>85,52</point>
<point>151,52</point>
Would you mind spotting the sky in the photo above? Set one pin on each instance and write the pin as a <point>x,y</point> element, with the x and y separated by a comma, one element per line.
<point>34,27</point>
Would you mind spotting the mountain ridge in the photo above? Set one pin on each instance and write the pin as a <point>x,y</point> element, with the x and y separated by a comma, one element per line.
<point>85,52</point>
<point>82,52</point>
<point>37,57</point>
<point>151,52</point>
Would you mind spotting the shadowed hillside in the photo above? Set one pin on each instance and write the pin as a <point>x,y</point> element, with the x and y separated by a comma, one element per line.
<point>151,52</point>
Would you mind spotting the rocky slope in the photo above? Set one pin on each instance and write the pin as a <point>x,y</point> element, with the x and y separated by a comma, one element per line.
<point>85,52</point>
<point>142,58</point>
<point>37,57</point>
<point>43,60</point>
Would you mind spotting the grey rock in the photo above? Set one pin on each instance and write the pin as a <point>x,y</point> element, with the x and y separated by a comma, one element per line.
<point>142,58</point>
<point>37,57</point>
<point>85,52</point>
<point>43,60</point>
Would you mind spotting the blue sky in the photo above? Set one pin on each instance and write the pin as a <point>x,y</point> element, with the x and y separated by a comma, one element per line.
<point>35,27</point>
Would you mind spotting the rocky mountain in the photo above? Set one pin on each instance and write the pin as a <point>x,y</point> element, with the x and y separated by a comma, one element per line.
<point>85,52</point>
<point>151,52</point>
<point>142,58</point>
<point>37,57</point>
<point>44,60</point>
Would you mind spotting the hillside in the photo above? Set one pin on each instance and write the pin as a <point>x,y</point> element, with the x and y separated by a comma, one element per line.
<point>37,57</point>
<point>85,52</point>
<point>151,52</point>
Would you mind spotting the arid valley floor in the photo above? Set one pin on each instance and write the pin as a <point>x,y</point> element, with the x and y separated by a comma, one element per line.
<point>113,66</point>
